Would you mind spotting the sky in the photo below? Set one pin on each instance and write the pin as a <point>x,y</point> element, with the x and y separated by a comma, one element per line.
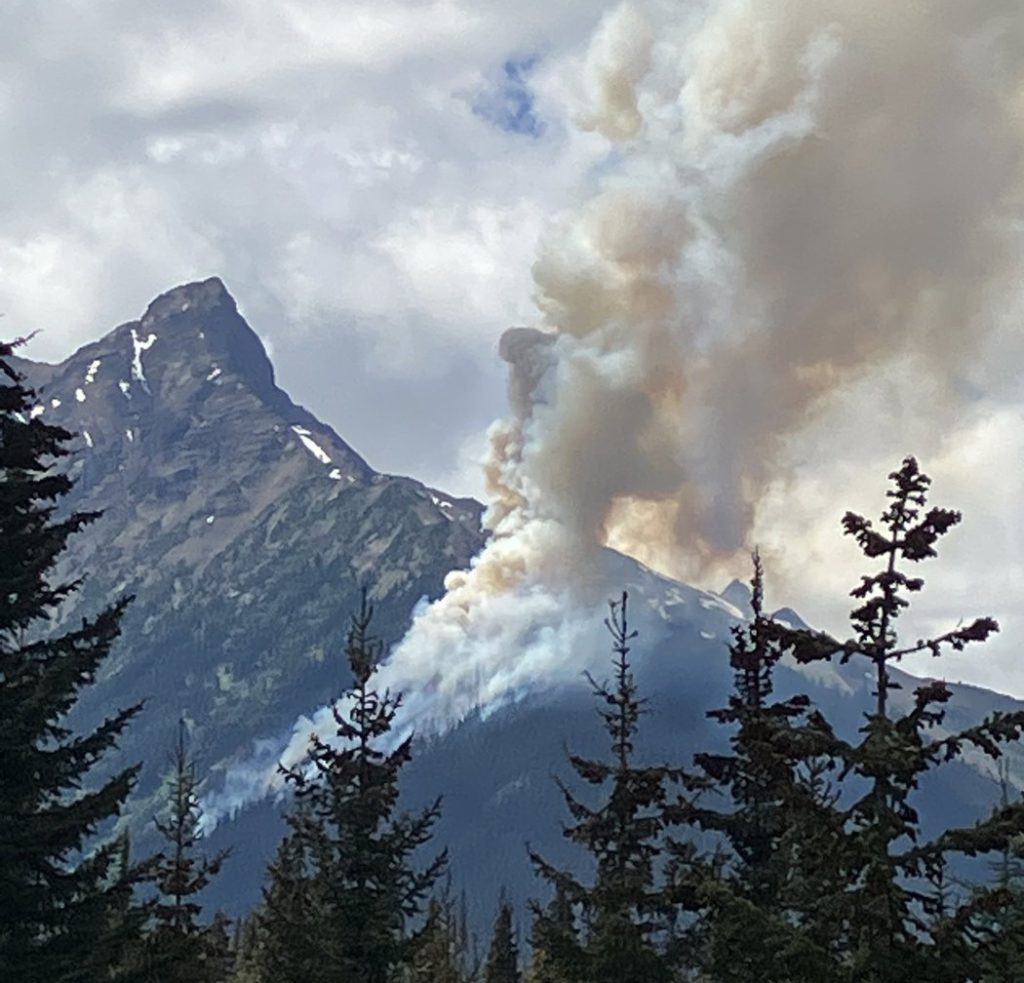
<point>373,182</point>
<point>368,179</point>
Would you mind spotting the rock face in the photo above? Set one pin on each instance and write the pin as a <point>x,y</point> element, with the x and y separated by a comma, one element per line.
<point>246,528</point>
<point>243,525</point>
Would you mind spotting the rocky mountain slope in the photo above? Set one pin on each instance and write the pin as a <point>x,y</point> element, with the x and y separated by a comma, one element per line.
<point>245,528</point>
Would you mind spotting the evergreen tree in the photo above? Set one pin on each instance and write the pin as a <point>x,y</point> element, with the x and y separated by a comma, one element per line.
<point>443,950</point>
<point>821,870</point>
<point>757,894</point>
<point>353,872</point>
<point>435,958</point>
<point>180,947</point>
<point>283,944</point>
<point>247,952</point>
<point>895,917</point>
<point>502,964</point>
<point>554,940</point>
<point>999,936</point>
<point>627,915</point>
<point>60,893</point>
<point>126,919</point>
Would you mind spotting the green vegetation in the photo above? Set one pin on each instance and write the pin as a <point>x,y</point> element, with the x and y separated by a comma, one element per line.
<point>178,947</point>
<point>626,912</point>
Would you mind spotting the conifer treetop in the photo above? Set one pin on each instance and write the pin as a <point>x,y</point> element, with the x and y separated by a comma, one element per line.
<point>350,867</point>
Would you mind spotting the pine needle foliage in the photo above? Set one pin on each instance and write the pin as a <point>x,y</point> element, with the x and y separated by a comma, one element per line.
<point>895,918</point>
<point>502,964</point>
<point>756,894</point>
<point>60,892</point>
<point>347,871</point>
<point>999,928</point>
<point>282,943</point>
<point>443,949</point>
<point>553,939</point>
<point>626,914</point>
<point>179,946</point>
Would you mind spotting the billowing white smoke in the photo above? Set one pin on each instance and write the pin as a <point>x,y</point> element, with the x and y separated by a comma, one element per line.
<point>796,195</point>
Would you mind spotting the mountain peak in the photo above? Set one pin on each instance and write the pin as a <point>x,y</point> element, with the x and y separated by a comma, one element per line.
<point>202,317</point>
<point>738,594</point>
<point>200,297</point>
<point>190,372</point>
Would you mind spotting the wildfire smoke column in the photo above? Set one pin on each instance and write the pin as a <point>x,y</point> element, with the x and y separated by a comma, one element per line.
<point>797,196</point>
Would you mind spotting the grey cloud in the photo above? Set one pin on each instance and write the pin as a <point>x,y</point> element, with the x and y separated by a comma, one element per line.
<point>153,143</point>
<point>405,423</point>
<point>806,229</point>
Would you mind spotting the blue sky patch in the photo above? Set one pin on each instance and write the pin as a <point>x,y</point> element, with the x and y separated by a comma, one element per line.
<point>509,103</point>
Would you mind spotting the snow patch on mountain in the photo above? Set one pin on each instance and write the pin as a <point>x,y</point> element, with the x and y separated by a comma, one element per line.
<point>311,445</point>
<point>709,601</point>
<point>140,345</point>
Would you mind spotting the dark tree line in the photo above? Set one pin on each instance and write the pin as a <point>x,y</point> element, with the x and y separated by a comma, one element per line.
<point>65,912</point>
<point>73,905</point>
<point>819,869</point>
<point>796,855</point>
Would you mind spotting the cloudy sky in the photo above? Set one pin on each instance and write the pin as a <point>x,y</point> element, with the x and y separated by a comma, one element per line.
<point>371,179</point>
<point>368,178</point>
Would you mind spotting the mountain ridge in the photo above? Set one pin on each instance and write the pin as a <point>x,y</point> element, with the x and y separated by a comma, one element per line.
<point>246,529</point>
<point>189,360</point>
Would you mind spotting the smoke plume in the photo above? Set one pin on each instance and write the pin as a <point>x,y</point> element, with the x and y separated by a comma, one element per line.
<point>796,196</point>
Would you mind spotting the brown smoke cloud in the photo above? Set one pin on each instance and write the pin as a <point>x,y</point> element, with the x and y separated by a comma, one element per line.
<point>803,192</point>
<point>798,197</point>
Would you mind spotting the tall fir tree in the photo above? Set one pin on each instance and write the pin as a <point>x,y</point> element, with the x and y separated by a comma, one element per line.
<point>127,920</point>
<point>354,873</point>
<point>627,914</point>
<point>894,917</point>
<point>283,944</point>
<point>502,964</point>
<point>755,896</point>
<point>179,946</point>
<point>246,968</point>
<point>60,892</point>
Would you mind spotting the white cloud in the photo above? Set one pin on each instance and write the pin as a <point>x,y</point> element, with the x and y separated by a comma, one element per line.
<point>323,158</point>
<point>972,459</point>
